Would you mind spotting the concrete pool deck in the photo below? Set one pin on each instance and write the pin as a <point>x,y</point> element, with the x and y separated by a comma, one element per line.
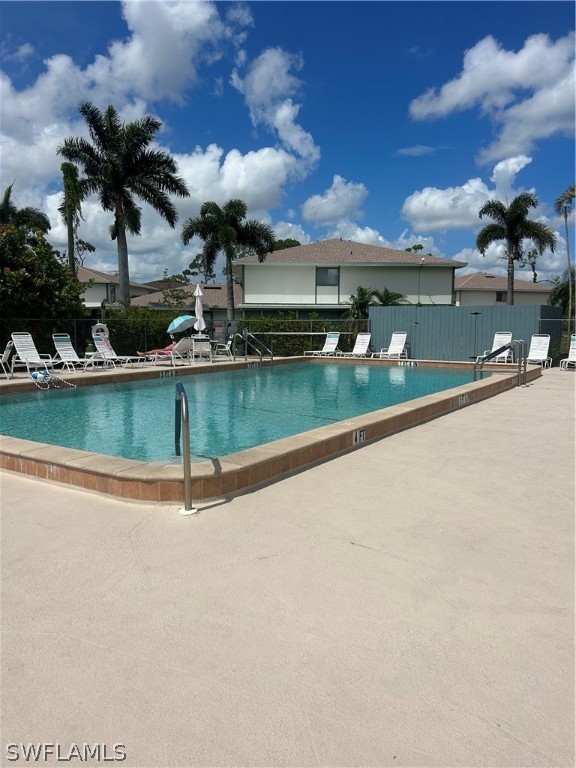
<point>408,604</point>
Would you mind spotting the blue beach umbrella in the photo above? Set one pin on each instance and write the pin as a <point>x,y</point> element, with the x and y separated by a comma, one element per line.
<point>182,323</point>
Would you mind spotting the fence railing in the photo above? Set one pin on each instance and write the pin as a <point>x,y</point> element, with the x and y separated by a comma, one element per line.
<point>289,337</point>
<point>128,334</point>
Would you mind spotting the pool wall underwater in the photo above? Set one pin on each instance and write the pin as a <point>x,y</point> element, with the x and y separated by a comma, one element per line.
<point>245,470</point>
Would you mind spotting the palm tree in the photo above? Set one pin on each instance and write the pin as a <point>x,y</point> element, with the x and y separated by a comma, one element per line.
<point>511,224</point>
<point>26,218</point>
<point>71,207</point>
<point>563,207</point>
<point>120,167</point>
<point>360,303</point>
<point>388,298</point>
<point>225,229</point>
<point>560,295</point>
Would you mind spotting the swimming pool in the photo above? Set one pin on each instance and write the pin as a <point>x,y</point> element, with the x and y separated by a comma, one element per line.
<point>245,469</point>
<point>230,411</point>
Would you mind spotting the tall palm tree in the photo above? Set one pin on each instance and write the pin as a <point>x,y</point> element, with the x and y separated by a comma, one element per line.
<point>563,207</point>
<point>26,218</point>
<point>120,168</point>
<point>225,230</point>
<point>511,224</point>
<point>71,207</point>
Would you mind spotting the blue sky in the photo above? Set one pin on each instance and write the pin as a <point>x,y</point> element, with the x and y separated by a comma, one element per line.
<point>389,123</point>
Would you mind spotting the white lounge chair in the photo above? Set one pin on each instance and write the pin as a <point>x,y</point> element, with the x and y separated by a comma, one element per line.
<point>501,338</point>
<point>538,352</point>
<point>330,346</point>
<point>5,359</point>
<point>396,349</point>
<point>566,362</point>
<point>180,352</point>
<point>106,354</point>
<point>361,346</point>
<point>66,353</point>
<point>27,356</point>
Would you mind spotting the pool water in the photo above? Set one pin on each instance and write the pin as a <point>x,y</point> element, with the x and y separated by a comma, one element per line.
<point>229,410</point>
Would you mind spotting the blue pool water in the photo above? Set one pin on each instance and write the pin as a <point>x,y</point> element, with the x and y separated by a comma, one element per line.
<point>229,410</point>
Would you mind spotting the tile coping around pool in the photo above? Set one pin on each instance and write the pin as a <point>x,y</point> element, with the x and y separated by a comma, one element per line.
<point>239,472</point>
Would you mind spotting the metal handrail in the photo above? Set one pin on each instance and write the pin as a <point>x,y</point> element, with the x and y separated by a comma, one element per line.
<point>269,351</point>
<point>182,426</point>
<point>245,338</point>
<point>522,365</point>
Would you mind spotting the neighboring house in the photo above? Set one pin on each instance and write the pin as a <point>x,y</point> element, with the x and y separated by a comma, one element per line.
<point>214,304</point>
<point>321,277</point>
<point>104,287</point>
<point>483,289</point>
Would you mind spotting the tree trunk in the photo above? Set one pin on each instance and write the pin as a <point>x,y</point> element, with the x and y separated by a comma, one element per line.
<point>510,287</point>
<point>123,270</point>
<point>70,254</point>
<point>230,311</point>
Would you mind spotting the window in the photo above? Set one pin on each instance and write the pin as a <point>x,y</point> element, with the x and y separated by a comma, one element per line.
<point>500,296</point>
<point>112,294</point>
<point>327,276</point>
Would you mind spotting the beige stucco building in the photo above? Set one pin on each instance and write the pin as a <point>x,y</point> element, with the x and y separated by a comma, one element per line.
<point>321,277</point>
<point>483,289</point>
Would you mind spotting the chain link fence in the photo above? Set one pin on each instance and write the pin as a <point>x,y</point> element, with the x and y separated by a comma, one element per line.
<point>129,332</point>
<point>559,332</point>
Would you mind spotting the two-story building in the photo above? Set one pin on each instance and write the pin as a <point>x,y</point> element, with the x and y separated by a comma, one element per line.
<point>102,286</point>
<point>483,289</point>
<point>321,277</point>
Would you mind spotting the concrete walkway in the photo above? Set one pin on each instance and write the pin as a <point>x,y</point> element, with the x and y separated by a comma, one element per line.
<point>409,604</point>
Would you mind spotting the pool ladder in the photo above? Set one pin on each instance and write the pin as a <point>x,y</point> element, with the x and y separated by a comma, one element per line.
<point>182,427</point>
<point>521,376</point>
<point>249,340</point>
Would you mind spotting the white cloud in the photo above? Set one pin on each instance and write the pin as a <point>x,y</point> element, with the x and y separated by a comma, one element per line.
<point>285,230</point>
<point>19,55</point>
<point>433,209</point>
<point>505,172</point>
<point>529,93</point>
<point>418,150</point>
<point>346,229</point>
<point>549,112</point>
<point>547,265</point>
<point>159,58</point>
<point>257,177</point>
<point>343,199</point>
<point>268,89</point>
<point>408,239</point>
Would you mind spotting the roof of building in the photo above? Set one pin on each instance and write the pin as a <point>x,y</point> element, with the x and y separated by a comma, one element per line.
<point>214,297</point>
<point>85,274</point>
<point>163,285</point>
<point>348,252</point>
<point>483,281</point>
